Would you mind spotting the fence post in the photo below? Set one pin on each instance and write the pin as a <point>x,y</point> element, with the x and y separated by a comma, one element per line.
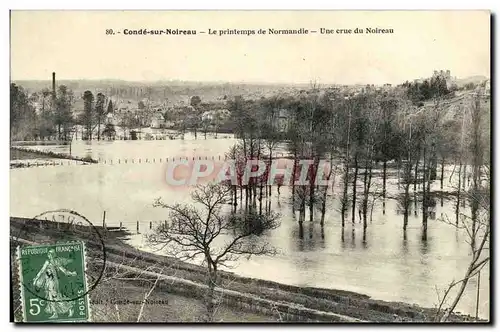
<point>104,221</point>
<point>120,225</point>
<point>477,294</point>
<point>150,225</point>
<point>137,226</point>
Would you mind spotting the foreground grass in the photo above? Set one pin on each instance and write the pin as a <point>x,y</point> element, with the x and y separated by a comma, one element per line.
<point>121,301</point>
<point>181,304</point>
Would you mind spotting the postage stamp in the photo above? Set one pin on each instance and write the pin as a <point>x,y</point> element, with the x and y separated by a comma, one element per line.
<point>53,283</point>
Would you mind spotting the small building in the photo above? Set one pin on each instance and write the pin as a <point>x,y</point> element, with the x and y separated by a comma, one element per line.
<point>157,120</point>
<point>281,120</point>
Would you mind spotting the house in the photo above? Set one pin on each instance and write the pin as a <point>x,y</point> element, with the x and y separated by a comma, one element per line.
<point>157,120</point>
<point>219,115</point>
<point>281,120</point>
<point>111,118</point>
<point>208,116</point>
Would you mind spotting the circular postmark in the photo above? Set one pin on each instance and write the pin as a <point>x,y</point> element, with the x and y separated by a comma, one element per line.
<point>61,255</point>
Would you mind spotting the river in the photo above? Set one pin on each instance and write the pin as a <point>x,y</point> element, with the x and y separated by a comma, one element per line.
<point>386,266</point>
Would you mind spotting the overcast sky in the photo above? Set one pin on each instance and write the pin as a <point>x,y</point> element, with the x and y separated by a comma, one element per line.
<point>74,45</point>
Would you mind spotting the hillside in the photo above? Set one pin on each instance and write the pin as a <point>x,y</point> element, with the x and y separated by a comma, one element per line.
<point>161,90</point>
<point>471,79</point>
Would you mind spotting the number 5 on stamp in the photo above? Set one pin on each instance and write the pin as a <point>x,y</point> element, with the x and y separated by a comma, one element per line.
<point>53,283</point>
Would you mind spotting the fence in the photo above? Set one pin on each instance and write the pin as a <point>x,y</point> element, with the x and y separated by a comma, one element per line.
<point>138,226</point>
<point>120,161</point>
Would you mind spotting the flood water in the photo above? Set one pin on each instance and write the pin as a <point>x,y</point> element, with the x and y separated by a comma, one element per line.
<point>386,266</point>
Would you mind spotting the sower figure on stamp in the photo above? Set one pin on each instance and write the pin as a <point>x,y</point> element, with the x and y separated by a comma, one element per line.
<point>47,279</point>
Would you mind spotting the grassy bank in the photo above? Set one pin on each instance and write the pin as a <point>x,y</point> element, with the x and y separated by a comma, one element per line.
<point>242,299</point>
<point>18,153</point>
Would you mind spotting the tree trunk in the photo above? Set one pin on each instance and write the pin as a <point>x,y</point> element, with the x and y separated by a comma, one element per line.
<point>424,195</point>
<point>442,172</point>
<point>477,160</point>
<point>354,187</point>
<point>210,297</point>
<point>464,174</point>
<point>260,199</point>
<point>416,175</point>
<point>406,206</point>
<point>384,179</point>
<point>302,207</point>
<point>311,189</point>
<point>323,206</point>
<point>367,194</point>
<point>406,198</point>
<point>293,180</point>
<point>235,202</point>
<point>457,205</point>
<point>344,194</point>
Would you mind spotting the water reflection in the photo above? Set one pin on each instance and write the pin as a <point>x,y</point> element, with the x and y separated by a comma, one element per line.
<point>404,247</point>
<point>385,262</point>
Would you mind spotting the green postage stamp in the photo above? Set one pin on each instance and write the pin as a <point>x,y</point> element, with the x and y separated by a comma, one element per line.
<point>53,283</point>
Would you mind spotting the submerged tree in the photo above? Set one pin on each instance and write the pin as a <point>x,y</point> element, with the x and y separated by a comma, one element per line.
<point>477,225</point>
<point>100,112</point>
<point>63,115</point>
<point>88,112</point>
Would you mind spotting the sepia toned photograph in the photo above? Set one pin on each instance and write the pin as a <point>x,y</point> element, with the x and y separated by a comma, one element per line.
<point>250,166</point>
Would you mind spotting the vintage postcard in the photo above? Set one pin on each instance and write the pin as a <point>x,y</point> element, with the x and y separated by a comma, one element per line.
<point>250,166</point>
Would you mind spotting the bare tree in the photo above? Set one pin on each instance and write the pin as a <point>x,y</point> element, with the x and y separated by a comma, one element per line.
<point>477,226</point>
<point>480,257</point>
<point>203,229</point>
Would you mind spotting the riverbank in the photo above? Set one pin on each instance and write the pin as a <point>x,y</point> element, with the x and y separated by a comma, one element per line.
<point>26,157</point>
<point>244,299</point>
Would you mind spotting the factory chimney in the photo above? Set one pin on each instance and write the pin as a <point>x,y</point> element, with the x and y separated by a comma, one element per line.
<point>54,86</point>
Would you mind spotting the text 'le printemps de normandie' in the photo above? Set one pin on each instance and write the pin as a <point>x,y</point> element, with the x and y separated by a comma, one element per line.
<point>248,32</point>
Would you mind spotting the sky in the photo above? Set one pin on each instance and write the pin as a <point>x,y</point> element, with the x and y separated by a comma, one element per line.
<point>74,44</point>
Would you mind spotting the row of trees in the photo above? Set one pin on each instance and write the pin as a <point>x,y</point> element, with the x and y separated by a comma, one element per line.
<point>359,134</point>
<point>436,87</point>
<point>55,117</point>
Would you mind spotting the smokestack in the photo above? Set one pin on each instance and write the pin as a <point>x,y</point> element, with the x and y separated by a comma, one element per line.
<point>54,85</point>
